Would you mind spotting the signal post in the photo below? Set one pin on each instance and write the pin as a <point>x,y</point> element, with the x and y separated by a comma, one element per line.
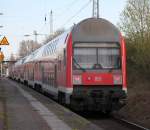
<point>4,41</point>
<point>1,60</point>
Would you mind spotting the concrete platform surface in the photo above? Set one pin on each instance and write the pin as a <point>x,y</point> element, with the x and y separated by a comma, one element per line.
<point>22,108</point>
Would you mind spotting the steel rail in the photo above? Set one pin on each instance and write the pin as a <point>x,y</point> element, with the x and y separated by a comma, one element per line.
<point>130,124</point>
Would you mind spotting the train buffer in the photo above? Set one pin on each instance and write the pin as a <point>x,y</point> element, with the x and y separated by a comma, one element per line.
<point>21,108</point>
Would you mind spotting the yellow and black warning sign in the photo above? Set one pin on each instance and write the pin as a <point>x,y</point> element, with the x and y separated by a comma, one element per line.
<point>4,41</point>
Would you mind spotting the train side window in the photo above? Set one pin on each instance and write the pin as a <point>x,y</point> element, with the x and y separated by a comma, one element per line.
<point>64,57</point>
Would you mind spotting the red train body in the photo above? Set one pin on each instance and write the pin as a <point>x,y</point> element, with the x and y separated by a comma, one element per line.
<point>85,67</point>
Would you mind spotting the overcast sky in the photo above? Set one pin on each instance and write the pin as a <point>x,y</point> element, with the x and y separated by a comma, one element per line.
<point>21,17</point>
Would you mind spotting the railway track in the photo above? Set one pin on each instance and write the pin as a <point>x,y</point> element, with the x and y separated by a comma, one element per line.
<point>130,124</point>
<point>113,122</point>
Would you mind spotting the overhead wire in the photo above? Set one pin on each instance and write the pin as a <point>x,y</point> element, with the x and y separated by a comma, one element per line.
<point>67,7</point>
<point>62,12</point>
<point>64,9</point>
<point>79,11</point>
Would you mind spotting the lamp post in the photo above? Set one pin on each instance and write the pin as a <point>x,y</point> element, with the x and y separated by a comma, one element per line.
<point>35,34</point>
<point>1,55</point>
<point>1,25</point>
<point>27,35</point>
<point>28,51</point>
<point>1,68</point>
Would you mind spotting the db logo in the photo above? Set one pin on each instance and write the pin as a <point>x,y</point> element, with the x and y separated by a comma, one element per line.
<point>89,78</point>
<point>98,79</point>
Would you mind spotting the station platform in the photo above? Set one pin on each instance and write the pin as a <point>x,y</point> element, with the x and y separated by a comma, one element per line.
<point>22,108</point>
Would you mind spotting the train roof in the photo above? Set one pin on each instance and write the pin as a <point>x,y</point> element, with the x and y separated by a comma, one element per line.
<point>20,61</point>
<point>95,30</point>
<point>89,30</point>
<point>48,49</point>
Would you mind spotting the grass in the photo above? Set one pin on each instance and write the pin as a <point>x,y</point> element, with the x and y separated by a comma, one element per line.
<point>138,106</point>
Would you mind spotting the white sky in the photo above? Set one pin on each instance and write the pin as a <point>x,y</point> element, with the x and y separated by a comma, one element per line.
<point>22,17</point>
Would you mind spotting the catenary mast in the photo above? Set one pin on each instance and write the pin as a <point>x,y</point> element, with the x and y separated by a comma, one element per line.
<point>95,9</point>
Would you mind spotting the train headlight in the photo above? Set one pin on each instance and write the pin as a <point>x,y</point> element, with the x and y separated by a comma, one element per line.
<point>117,79</point>
<point>125,89</point>
<point>77,79</point>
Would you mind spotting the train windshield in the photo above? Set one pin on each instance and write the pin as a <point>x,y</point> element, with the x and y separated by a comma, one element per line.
<point>104,56</point>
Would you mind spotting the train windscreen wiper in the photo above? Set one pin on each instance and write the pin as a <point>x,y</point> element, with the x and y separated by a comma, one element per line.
<point>78,65</point>
<point>97,66</point>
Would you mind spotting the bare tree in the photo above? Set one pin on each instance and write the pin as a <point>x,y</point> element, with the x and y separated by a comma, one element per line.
<point>57,33</point>
<point>12,58</point>
<point>135,20</point>
<point>135,23</point>
<point>26,47</point>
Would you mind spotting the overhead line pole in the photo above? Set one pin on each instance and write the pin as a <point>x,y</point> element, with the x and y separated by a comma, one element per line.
<point>51,22</point>
<point>95,12</point>
<point>97,8</point>
<point>35,35</point>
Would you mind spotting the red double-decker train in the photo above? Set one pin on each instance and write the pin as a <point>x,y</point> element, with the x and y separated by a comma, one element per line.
<point>85,67</point>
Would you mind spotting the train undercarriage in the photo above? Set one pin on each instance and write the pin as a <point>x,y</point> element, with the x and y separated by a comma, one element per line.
<point>91,98</point>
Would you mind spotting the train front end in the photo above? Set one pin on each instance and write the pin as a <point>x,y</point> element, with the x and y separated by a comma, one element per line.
<point>98,66</point>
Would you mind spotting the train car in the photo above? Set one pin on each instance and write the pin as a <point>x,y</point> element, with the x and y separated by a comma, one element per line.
<point>85,67</point>
<point>14,71</point>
